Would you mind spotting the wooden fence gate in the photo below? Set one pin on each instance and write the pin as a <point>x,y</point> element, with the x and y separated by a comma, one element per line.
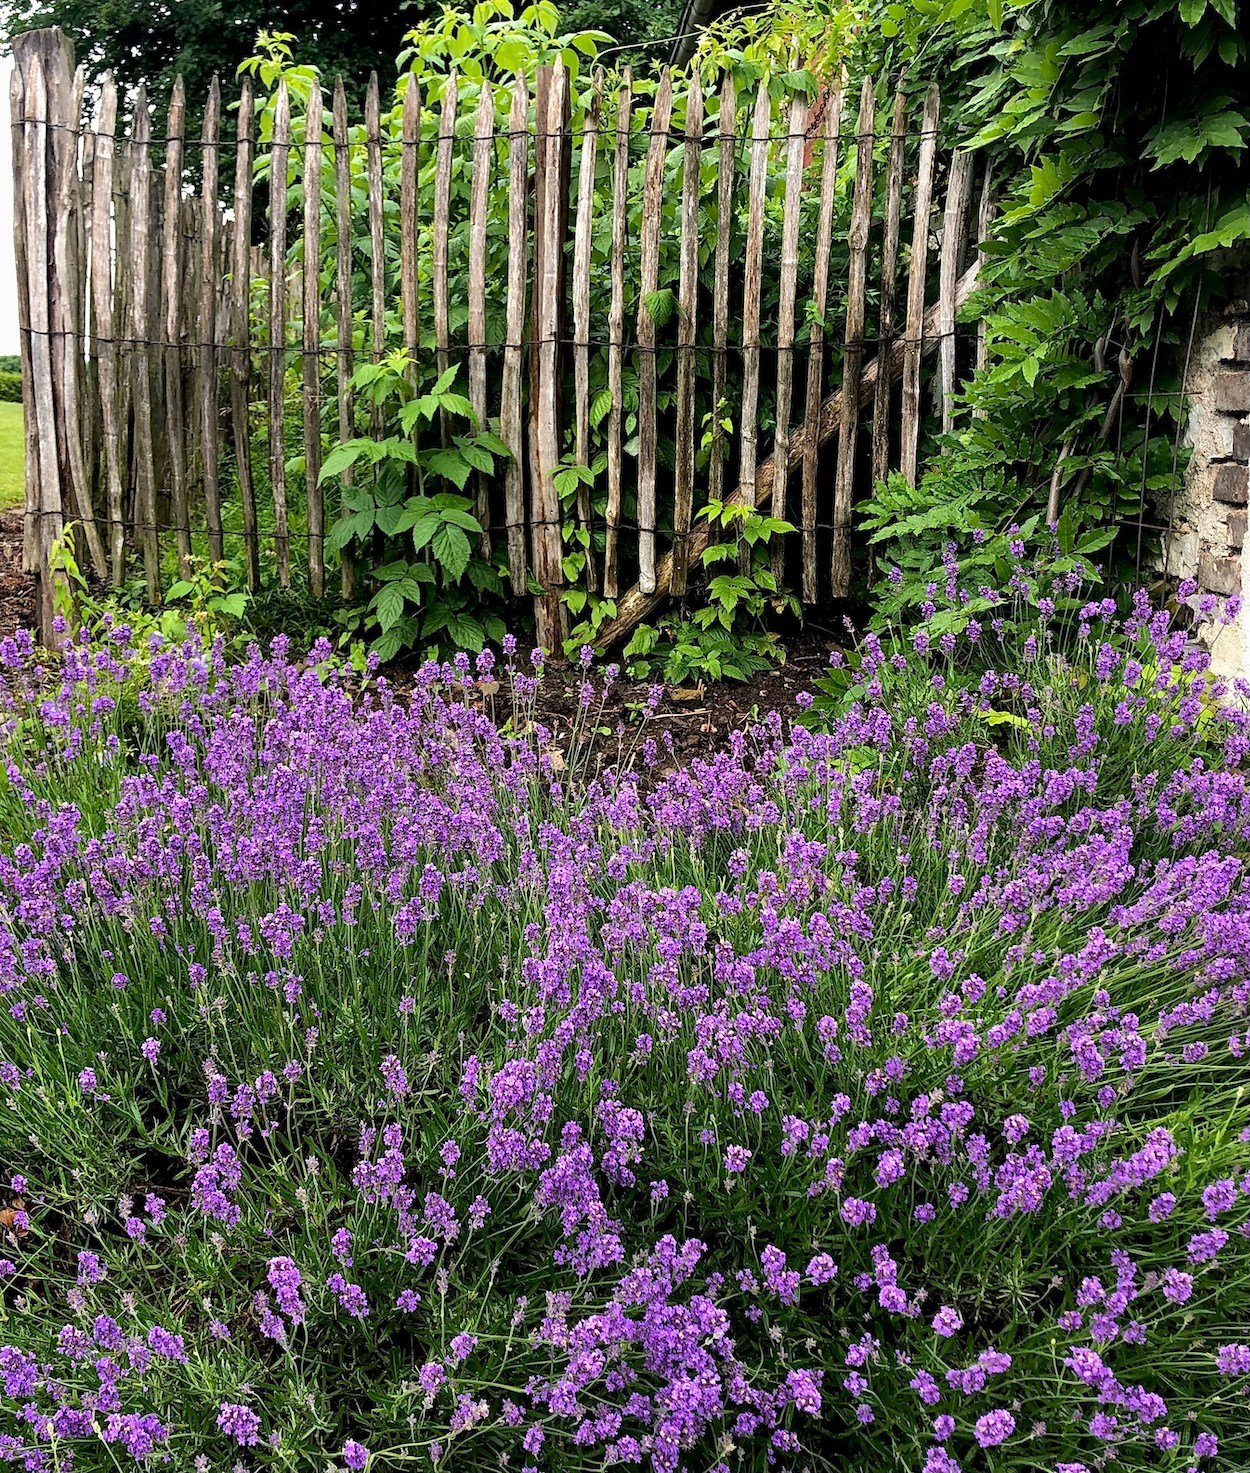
<point>689,293</point>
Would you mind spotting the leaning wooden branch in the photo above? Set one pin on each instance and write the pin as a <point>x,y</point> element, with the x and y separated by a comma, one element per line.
<point>635,605</point>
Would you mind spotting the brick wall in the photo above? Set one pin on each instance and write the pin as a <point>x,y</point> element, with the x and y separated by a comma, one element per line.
<point>1208,517</point>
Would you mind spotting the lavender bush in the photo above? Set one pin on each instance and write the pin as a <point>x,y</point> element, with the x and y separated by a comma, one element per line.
<point>382,1089</point>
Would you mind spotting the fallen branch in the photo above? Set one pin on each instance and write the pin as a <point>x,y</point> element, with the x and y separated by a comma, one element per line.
<point>635,606</point>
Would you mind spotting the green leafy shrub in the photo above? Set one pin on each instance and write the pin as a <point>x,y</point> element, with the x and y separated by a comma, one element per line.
<point>10,386</point>
<point>727,638</point>
<point>429,538</point>
<point>960,530</point>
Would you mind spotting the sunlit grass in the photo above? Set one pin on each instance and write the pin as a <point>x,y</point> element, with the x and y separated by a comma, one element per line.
<point>12,456</point>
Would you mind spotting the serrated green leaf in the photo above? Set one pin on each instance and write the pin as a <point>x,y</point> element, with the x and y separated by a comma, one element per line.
<point>477,455</point>
<point>600,408</point>
<point>424,528</point>
<point>466,632</point>
<point>388,645</point>
<point>345,529</point>
<point>358,498</point>
<point>389,519</point>
<point>1095,541</point>
<point>660,306</point>
<point>488,440</point>
<point>233,605</point>
<point>342,458</point>
<point>511,54</point>
<point>458,404</point>
<point>450,465</point>
<point>423,407</point>
<point>463,519</point>
<point>484,578</point>
<point>451,549</point>
<point>388,605</point>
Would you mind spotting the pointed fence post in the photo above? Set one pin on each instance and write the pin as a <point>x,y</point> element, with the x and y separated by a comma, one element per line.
<point>549,612</point>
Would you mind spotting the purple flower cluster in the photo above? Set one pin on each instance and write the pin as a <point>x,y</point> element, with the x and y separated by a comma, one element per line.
<point>874,1089</point>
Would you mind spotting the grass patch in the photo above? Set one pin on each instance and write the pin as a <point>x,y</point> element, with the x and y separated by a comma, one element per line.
<point>12,456</point>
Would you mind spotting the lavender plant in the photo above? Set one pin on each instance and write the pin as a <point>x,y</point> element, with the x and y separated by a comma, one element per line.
<point>381,1091</point>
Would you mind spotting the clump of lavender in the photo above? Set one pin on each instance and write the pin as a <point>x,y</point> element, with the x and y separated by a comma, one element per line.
<point>869,1096</point>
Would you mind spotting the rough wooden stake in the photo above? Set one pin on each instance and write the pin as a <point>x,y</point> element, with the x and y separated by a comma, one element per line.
<point>727,154</point>
<point>1056,482</point>
<point>922,207</point>
<point>68,310</point>
<point>889,269</point>
<point>816,341</point>
<point>442,231</point>
<point>377,239</point>
<point>853,350</point>
<point>479,198</point>
<point>241,327</point>
<point>140,333</point>
<point>616,332</point>
<point>649,267</point>
<point>207,315</point>
<point>549,614</point>
<point>514,331</point>
<point>409,174</point>
<point>278,156</point>
<point>103,325</point>
<point>171,327</point>
<point>985,218</point>
<point>89,368</point>
<point>34,175</point>
<point>687,305</point>
<point>30,424</point>
<point>753,267</point>
<point>795,145</point>
<point>343,306</point>
<point>311,324</point>
<point>191,228</point>
<point>954,238</point>
<point>582,234</point>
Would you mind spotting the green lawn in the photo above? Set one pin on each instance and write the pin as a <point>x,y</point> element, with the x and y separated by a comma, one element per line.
<point>12,458</point>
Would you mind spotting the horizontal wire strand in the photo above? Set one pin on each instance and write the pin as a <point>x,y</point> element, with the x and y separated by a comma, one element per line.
<point>710,137</point>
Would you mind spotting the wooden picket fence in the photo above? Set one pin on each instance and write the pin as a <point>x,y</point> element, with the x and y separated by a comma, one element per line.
<point>169,323</point>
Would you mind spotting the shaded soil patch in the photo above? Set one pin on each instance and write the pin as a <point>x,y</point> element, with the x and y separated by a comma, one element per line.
<point>17,589</point>
<point>690,721</point>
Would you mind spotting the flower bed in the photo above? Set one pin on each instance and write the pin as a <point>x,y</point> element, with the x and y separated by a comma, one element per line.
<point>379,1090</point>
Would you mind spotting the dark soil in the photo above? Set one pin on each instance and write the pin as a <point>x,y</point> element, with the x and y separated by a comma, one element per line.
<point>17,589</point>
<point>689,721</point>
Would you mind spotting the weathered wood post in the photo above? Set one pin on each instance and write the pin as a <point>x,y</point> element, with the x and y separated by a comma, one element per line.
<point>44,148</point>
<point>549,192</point>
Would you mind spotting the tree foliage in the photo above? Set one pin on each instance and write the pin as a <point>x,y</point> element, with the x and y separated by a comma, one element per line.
<point>155,40</point>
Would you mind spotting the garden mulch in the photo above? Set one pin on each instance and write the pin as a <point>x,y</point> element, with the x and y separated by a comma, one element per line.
<point>697,720</point>
<point>17,589</point>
